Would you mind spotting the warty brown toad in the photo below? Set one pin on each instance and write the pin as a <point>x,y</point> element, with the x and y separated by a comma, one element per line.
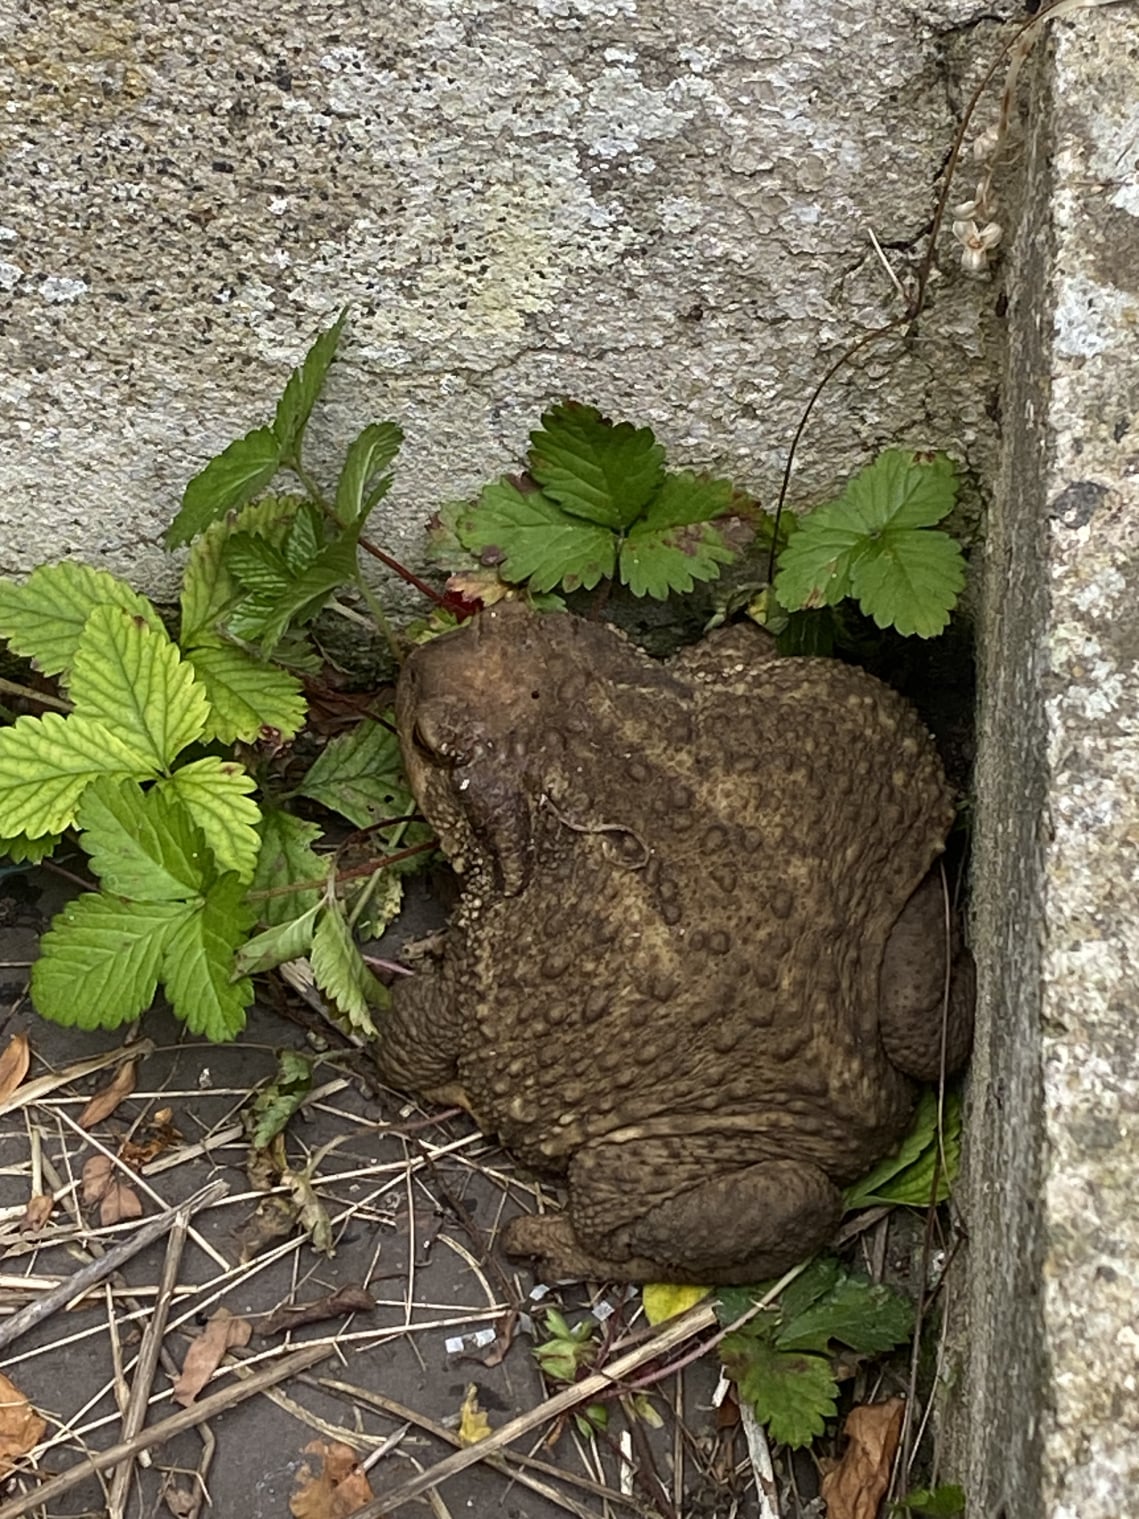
<point>699,959</point>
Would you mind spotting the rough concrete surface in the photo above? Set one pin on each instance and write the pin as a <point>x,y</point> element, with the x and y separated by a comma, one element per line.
<point>661,210</point>
<point>1053,1339</point>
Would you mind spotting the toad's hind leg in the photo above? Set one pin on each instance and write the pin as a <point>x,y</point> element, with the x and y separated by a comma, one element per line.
<point>638,1212</point>
<point>912,988</point>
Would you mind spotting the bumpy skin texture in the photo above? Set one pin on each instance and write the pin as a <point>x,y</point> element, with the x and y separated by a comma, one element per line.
<point>697,960</point>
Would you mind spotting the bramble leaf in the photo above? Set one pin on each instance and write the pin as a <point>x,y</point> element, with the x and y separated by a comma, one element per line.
<point>100,960</point>
<point>304,540</point>
<point>216,793</point>
<point>143,845</point>
<point>308,592</point>
<point>245,694</point>
<point>198,963</point>
<point>43,619</point>
<point>340,972</point>
<point>230,479</point>
<point>286,856</point>
<point>360,775</point>
<point>906,1177</point>
<point>358,490</point>
<point>46,763</point>
<point>868,1316</point>
<point>275,946</point>
<point>302,389</point>
<point>593,469</point>
<point>530,538</point>
<point>132,678</point>
<point>792,1393</point>
<point>257,563</point>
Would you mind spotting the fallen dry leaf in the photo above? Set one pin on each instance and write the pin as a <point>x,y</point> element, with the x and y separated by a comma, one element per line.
<point>14,1064</point>
<point>273,1220</point>
<point>857,1485</point>
<point>223,1330</point>
<point>108,1097</point>
<point>180,1502</point>
<point>37,1213</point>
<point>292,1316</point>
<point>473,1423</point>
<point>20,1426</point>
<point>336,1489</point>
<point>102,1184</point>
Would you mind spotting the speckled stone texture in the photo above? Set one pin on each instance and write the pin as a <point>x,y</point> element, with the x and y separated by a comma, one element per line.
<point>662,209</point>
<point>1053,1336</point>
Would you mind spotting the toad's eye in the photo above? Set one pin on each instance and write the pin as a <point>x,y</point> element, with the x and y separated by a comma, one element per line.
<point>422,743</point>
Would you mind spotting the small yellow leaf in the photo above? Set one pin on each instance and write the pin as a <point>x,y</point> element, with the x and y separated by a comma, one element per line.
<point>664,1300</point>
<point>473,1425</point>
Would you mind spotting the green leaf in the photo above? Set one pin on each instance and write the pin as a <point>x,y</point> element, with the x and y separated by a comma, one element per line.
<point>793,1394</point>
<point>902,490</point>
<point>258,564</point>
<point>304,597</point>
<point>277,945</point>
<point>198,964</point>
<point>229,480</point>
<point>143,845</point>
<point>360,775</point>
<point>100,960</point>
<point>216,793</point>
<point>24,851</point>
<point>46,763</point>
<point>530,538</point>
<point>358,489</point>
<point>276,1104</point>
<point>209,590</point>
<point>815,1281</point>
<point>685,498</point>
<point>287,856</point>
<point>593,469</point>
<point>656,563</point>
<point>942,1502</point>
<point>867,1316</point>
<point>43,619</point>
<point>340,972</point>
<point>246,695</point>
<point>303,387</point>
<point>910,580</point>
<point>814,568</point>
<point>131,678</point>
<point>305,538</point>
<point>907,1176</point>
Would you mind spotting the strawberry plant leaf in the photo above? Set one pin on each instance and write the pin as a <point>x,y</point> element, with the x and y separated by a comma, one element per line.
<point>814,568</point>
<point>593,469</point>
<point>302,390</point>
<point>143,845</point>
<point>657,562</point>
<point>909,579</point>
<point>246,695</point>
<point>258,565</point>
<point>291,940</point>
<point>868,1316</point>
<point>21,850</point>
<point>358,489</point>
<point>815,1281</point>
<point>286,856</point>
<point>530,538</point>
<point>339,970</point>
<point>209,590</point>
<point>303,598</point>
<point>132,678</point>
<point>229,480</point>
<point>46,763</point>
<point>43,619</point>
<point>906,1177</point>
<point>685,497</point>
<point>198,963</point>
<point>100,960</point>
<point>902,490</point>
<point>216,794</point>
<point>793,1394</point>
<point>360,775</point>
<point>276,1104</point>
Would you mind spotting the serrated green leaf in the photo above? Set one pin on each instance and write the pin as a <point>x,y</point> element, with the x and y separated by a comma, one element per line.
<point>257,564</point>
<point>943,1502</point>
<point>303,388</point>
<point>43,619</point>
<point>286,856</point>
<point>229,480</point>
<point>21,850</point>
<point>209,590</point>
<point>305,538</point>
<point>868,1316</point>
<point>532,539</point>
<point>339,970</point>
<point>815,1281</point>
<point>902,490</point>
<point>657,563</point>
<point>246,695</point>
<point>593,469</point>
<point>198,963</point>
<point>910,579</point>
<point>100,960</point>
<point>143,845</point>
<point>277,945</point>
<point>369,455</point>
<point>360,775</point>
<point>303,599</point>
<point>733,1302</point>
<point>216,793</point>
<point>906,1177</point>
<point>814,568</point>
<point>132,678</point>
<point>46,763</point>
<point>792,1393</point>
<point>274,1106</point>
<point>444,545</point>
<point>686,497</point>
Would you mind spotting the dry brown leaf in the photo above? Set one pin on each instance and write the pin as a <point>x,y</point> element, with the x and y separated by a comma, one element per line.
<point>223,1330</point>
<point>486,586</point>
<point>332,1486</point>
<point>180,1502</point>
<point>108,1097</point>
<point>37,1213</point>
<point>102,1185</point>
<point>857,1485</point>
<point>344,1300</point>
<point>273,1220</point>
<point>14,1064</point>
<point>20,1426</point>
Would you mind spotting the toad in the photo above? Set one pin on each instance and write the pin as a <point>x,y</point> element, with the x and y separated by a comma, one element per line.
<point>699,960</point>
